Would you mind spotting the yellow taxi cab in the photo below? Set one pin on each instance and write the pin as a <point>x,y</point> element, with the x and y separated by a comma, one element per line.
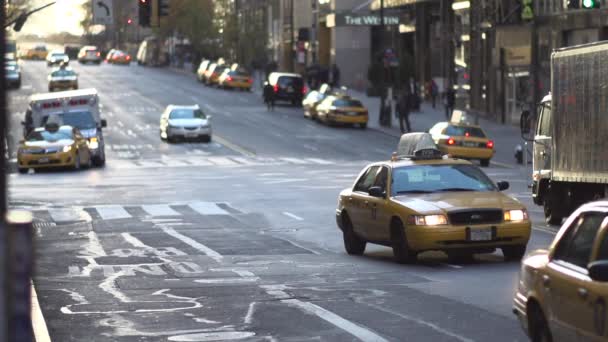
<point>213,73</point>
<point>63,78</point>
<point>463,140</point>
<point>563,291</point>
<point>342,109</point>
<point>53,146</point>
<point>313,99</point>
<point>200,72</point>
<point>235,79</point>
<point>421,200</point>
<point>37,53</point>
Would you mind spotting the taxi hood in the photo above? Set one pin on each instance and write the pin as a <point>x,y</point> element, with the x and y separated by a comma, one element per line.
<point>44,143</point>
<point>448,201</point>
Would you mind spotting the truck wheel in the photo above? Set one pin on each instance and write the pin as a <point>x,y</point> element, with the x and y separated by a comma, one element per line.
<point>352,243</point>
<point>484,162</point>
<point>554,212</point>
<point>514,253</point>
<point>23,170</point>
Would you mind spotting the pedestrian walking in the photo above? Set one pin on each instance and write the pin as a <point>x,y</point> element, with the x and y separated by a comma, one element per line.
<point>335,75</point>
<point>450,100</point>
<point>404,106</point>
<point>269,96</point>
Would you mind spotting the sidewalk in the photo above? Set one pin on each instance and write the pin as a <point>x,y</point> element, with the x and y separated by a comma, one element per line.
<point>506,137</point>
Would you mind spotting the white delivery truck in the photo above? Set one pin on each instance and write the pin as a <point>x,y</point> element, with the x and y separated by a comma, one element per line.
<point>570,165</point>
<point>77,108</point>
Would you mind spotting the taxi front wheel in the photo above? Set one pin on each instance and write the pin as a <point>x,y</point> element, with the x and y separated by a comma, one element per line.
<point>352,243</point>
<point>538,327</point>
<point>401,250</point>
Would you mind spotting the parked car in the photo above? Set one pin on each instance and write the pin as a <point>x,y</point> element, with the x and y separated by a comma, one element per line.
<point>235,79</point>
<point>200,72</point>
<point>89,54</point>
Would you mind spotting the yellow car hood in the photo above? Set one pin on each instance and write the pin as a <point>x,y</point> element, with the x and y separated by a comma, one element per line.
<point>448,201</point>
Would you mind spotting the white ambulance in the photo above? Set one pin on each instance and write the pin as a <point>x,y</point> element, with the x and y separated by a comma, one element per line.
<point>77,108</point>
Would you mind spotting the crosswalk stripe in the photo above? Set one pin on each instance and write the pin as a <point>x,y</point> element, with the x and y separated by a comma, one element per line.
<point>112,212</point>
<point>207,208</point>
<point>159,210</point>
<point>320,161</point>
<point>68,214</point>
<point>244,161</point>
<point>222,161</point>
<point>294,160</point>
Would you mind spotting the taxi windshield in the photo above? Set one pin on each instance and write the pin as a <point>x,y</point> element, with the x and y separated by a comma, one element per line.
<point>347,103</point>
<point>462,131</point>
<point>80,120</point>
<point>62,134</point>
<point>439,178</point>
<point>186,114</point>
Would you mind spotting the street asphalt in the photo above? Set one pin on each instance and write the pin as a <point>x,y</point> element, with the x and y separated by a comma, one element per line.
<point>236,239</point>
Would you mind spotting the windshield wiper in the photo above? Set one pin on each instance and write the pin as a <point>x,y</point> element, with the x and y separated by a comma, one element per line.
<point>414,192</point>
<point>456,189</point>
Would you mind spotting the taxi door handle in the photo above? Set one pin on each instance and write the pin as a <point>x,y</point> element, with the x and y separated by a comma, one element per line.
<point>546,281</point>
<point>582,292</point>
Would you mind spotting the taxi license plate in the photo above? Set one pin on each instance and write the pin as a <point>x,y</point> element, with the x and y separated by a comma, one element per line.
<point>290,89</point>
<point>191,135</point>
<point>43,160</point>
<point>469,144</point>
<point>480,234</point>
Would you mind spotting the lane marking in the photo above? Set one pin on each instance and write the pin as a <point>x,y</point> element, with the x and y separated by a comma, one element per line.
<point>191,242</point>
<point>507,166</point>
<point>250,311</point>
<point>207,208</point>
<point>233,147</point>
<point>295,217</point>
<point>221,161</point>
<point>320,161</point>
<point>112,212</point>
<point>342,323</point>
<point>41,333</point>
<point>120,124</point>
<point>68,214</point>
<point>159,210</point>
<point>452,266</point>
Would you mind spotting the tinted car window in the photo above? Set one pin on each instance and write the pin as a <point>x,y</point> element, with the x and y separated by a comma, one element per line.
<point>575,246</point>
<point>460,131</point>
<point>347,103</point>
<point>63,72</point>
<point>288,81</point>
<point>80,120</point>
<point>367,180</point>
<point>186,114</point>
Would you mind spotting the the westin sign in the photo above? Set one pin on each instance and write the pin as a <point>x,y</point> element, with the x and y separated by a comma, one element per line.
<point>359,19</point>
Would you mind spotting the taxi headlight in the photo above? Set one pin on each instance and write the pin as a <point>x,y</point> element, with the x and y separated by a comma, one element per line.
<point>93,143</point>
<point>516,215</point>
<point>67,148</point>
<point>427,220</point>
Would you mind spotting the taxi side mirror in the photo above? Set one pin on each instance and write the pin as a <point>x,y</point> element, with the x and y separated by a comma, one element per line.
<point>104,123</point>
<point>502,185</point>
<point>598,270</point>
<point>376,191</point>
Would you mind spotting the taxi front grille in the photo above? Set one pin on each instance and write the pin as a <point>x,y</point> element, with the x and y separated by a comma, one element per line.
<point>477,216</point>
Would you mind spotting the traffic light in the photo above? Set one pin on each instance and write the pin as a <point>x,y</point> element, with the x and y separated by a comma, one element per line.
<point>145,12</point>
<point>163,8</point>
<point>589,4</point>
<point>21,19</point>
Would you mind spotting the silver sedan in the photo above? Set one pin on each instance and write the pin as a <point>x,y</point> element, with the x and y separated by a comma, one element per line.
<point>185,123</point>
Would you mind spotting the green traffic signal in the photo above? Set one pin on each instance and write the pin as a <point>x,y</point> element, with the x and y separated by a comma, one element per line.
<point>591,3</point>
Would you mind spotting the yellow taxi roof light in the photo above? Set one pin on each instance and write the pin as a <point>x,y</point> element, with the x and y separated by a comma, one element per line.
<point>418,146</point>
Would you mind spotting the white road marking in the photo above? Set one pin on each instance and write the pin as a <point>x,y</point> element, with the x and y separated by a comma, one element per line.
<point>453,266</point>
<point>244,161</point>
<point>290,180</point>
<point>213,336</point>
<point>120,124</point>
<point>209,107</point>
<point>342,323</point>
<point>41,332</point>
<point>134,241</point>
<point>294,160</point>
<point>159,210</point>
<point>320,161</point>
<point>222,161</point>
<point>295,217</point>
<point>112,212</point>
<point>250,311</point>
<point>68,214</point>
<point>191,242</point>
<point>207,208</point>
<point>226,280</point>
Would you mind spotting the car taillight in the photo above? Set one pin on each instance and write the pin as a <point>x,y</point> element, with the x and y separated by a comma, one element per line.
<point>490,144</point>
<point>276,88</point>
<point>228,79</point>
<point>250,80</point>
<point>451,141</point>
<point>304,90</point>
<point>98,54</point>
<point>466,134</point>
<point>128,57</point>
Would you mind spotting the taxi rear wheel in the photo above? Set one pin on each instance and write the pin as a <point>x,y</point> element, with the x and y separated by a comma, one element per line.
<point>539,329</point>
<point>401,250</point>
<point>352,243</point>
<point>513,253</point>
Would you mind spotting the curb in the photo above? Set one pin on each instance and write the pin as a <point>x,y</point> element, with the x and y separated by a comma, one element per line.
<point>41,333</point>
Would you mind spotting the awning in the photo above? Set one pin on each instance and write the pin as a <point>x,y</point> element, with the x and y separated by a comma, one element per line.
<point>396,3</point>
